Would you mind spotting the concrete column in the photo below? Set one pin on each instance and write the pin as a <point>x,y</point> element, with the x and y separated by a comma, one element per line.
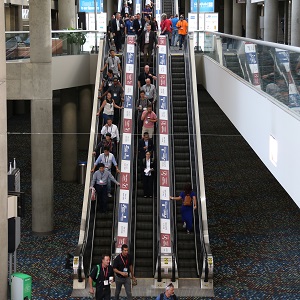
<point>69,135</point>
<point>228,16</point>
<point>3,165</point>
<point>109,9</point>
<point>271,21</point>
<point>251,19</point>
<point>295,24</point>
<point>41,116</point>
<point>66,14</point>
<point>84,117</point>
<point>237,18</point>
<point>20,20</point>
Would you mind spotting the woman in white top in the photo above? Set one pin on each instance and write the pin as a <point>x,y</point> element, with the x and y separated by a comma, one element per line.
<point>148,174</point>
<point>108,106</point>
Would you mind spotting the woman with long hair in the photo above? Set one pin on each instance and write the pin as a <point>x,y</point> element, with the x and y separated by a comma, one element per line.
<point>189,202</point>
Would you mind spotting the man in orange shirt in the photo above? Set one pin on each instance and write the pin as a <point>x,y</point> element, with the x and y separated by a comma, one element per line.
<point>182,26</point>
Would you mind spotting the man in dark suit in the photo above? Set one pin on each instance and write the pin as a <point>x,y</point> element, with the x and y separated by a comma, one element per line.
<point>117,29</point>
<point>138,25</point>
<point>147,41</point>
<point>145,145</point>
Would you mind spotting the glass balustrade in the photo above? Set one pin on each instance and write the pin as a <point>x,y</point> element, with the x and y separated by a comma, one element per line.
<point>271,68</point>
<point>63,42</point>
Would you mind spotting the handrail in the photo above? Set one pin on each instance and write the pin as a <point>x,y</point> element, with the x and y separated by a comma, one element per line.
<point>258,42</point>
<point>85,216</point>
<point>202,210</point>
<point>55,31</point>
<point>192,143</point>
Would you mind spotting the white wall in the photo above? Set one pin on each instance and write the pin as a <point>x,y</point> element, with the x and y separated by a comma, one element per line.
<point>257,117</point>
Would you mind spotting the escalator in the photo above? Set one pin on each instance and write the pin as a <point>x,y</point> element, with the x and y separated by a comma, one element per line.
<point>182,170</point>
<point>232,62</point>
<point>167,7</point>
<point>145,226</point>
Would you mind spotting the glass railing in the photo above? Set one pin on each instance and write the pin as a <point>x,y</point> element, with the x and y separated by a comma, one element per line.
<point>270,67</point>
<point>64,42</point>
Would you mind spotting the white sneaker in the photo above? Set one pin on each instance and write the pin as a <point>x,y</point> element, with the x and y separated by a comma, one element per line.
<point>188,232</point>
<point>109,195</point>
<point>184,225</point>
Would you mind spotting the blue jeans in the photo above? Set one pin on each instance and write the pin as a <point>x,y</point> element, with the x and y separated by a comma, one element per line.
<point>181,40</point>
<point>174,37</point>
<point>101,197</point>
<point>127,284</point>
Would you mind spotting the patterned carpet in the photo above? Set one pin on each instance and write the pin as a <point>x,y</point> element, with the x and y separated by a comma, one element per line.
<point>253,223</point>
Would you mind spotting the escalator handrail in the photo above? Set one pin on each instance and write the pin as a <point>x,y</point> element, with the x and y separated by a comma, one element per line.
<point>136,141</point>
<point>192,144</point>
<point>86,206</point>
<point>201,201</point>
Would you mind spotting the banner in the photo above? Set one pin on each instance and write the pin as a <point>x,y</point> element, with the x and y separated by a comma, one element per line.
<point>88,6</point>
<point>204,6</point>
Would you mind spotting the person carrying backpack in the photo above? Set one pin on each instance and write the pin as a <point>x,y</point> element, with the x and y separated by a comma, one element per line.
<point>189,202</point>
<point>168,294</point>
<point>102,276</point>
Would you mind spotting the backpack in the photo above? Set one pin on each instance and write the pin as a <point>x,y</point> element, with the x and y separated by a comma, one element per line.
<point>173,297</point>
<point>187,200</point>
<point>98,272</point>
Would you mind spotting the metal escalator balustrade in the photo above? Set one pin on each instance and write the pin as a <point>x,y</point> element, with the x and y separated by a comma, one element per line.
<point>83,253</point>
<point>186,252</point>
<point>144,216</point>
<point>164,179</point>
<point>123,213</point>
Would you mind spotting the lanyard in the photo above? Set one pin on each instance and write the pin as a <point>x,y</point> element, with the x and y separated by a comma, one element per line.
<point>106,158</point>
<point>124,262</point>
<point>105,273</point>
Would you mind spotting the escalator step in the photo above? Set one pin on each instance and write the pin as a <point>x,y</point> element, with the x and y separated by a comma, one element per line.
<point>102,223</point>
<point>144,235</point>
<point>147,226</point>
<point>182,156</point>
<point>179,92</point>
<point>180,116</point>
<point>144,263</point>
<point>179,98</point>
<point>144,244</point>
<point>144,209</point>
<point>144,218</point>
<point>102,232</point>
<point>143,253</point>
<point>176,80</point>
<point>180,123</point>
<point>179,75</point>
<point>99,250</point>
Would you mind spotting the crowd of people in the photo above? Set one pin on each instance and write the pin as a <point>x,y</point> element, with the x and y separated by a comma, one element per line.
<point>111,97</point>
<point>120,273</point>
<point>146,28</point>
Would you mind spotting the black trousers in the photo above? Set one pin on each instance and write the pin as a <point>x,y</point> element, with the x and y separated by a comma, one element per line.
<point>148,185</point>
<point>118,40</point>
<point>101,197</point>
<point>103,293</point>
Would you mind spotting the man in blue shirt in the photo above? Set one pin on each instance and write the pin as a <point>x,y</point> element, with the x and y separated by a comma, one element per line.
<point>99,182</point>
<point>129,26</point>
<point>108,159</point>
<point>174,31</point>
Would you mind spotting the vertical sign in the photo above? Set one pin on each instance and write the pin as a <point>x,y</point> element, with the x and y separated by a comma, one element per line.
<point>251,57</point>
<point>283,62</point>
<point>128,113</point>
<point>163,126</point>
